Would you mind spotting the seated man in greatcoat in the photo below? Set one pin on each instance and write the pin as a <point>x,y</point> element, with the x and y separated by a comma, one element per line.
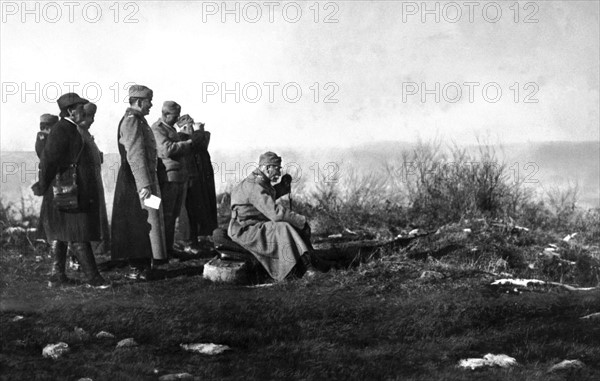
<point>277,237</point>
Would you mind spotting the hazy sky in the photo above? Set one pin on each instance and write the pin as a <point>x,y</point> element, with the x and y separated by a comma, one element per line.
<point>361,75</point>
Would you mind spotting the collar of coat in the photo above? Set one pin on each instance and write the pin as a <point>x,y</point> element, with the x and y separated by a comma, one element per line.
<point>161,121</point>
<point>132,111</point>
<point>257,176</point>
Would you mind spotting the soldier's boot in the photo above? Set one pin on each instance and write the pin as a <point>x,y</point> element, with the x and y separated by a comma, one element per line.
<point>83,251</point>
<point>58,276</point>
<point>319,263</point>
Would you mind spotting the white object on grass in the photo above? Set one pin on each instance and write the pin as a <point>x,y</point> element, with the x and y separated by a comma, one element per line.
<point>490,359</point>
<point>54,351</point>
<point>129,342</point>
<point>566,364</point>
<point>104,335</point>
<point>205,349</point>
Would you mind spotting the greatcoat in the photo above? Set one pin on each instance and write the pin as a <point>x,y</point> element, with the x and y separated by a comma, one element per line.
<point>137,231</point>
<point>98,160</point>
<point>267,229</point>
<point>62,147</point>
<point>201,199</point>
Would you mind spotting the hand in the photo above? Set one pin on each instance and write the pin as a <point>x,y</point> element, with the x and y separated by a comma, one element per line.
<point>286,183</point>
<point>37,189</point>
<point>144,193</point>
<point>306,229</point>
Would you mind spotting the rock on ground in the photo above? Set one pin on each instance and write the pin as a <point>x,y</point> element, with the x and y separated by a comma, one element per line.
<point>176,376</point>
<point>206,349</point>
<point>431,275</point>
<point>566,364</point>
<point>490,359</point>
<point>129,342</point>
<point>104,335</point>
<point>218,270</point>
<point>54,351</point>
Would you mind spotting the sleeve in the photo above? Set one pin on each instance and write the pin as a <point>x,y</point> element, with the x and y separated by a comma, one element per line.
<point>203,140</point>
<point>54,155</point>
<point>40,142</point>
<point>168,147</point>
<point>132,138</point>
<point>264,203</point>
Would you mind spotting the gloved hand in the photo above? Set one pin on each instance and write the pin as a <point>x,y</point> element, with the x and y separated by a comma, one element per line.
<point>37,189</point>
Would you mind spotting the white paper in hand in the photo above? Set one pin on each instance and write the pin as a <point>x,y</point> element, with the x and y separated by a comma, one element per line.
<point>152,202</point>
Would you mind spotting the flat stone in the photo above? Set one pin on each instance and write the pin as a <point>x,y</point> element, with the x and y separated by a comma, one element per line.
<point>218,270</point>
<point>205,349</point>
<point>489,360</point>
<point>55,351</point>
<point>125,343</point>
<point>566,365</point>
<point>104,335</point>
<point>176,376</point>
<point>431,275</point>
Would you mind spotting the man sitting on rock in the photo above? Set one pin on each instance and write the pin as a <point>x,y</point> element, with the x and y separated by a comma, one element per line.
<point>276,236</point>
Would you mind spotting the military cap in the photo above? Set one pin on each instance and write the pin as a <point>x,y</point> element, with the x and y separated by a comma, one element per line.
<point>269,158</point>
<point>48,119</point>
<point>184,119</point>
<point>90,108</point>
<point>170,107</point>
<point>140,91</point>
<point>70,99</point>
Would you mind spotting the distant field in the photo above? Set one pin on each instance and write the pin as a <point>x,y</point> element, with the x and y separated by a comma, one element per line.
<point>544,166</point>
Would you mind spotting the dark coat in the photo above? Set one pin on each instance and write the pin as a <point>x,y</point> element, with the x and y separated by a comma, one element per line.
<point>63,144</point>
<point>266,229</point>
<point>201,198</point>
<point>40,143</point>
<point>137,231</point>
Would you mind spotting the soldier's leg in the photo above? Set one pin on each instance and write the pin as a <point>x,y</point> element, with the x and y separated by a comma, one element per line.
<point>83,251</point>
<point>172,196</point>
<point>58,276</point>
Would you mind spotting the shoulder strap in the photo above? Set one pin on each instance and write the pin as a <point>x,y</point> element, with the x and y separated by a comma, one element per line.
<point>81,150</point>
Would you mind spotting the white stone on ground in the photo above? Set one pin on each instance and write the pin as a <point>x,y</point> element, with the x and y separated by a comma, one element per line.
<point>129,342</point>
<point>490,359</point>
<point>176,376</point>
<point>566,364</point>
<point>55,351</point>
<point>205,349</point>
<point>104,335</point>
<point>218,270</point>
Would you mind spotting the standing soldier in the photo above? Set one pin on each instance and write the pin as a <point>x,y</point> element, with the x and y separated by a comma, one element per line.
<point>138,233</point>
<point>201,199</point>
<point>172,151</point>
<point>47,121</point>
<point>66,148</point>
<point>98,158</point>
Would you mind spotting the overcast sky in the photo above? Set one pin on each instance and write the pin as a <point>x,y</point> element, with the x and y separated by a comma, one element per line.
<point>361,74</point>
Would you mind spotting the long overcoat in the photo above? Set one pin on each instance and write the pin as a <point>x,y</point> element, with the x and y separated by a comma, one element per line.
<point>267,229</point>
<point>137,231</point>
<point>62,147</point>
<point>201,197</point>
<point>97,157</point>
